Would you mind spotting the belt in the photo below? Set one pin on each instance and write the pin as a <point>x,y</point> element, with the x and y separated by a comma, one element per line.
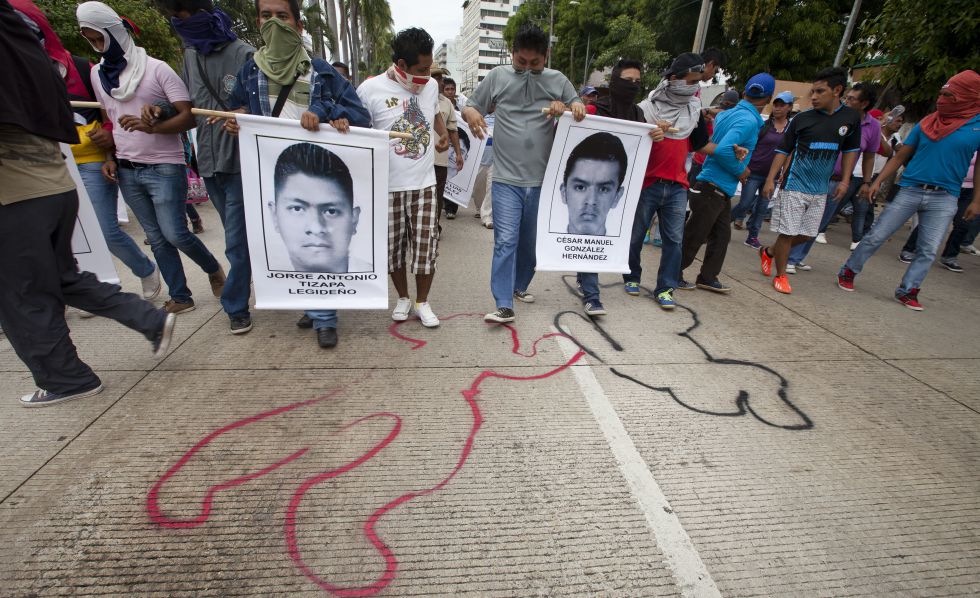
<point>711,188</point>
<point>128,164</point>
<point>658,179</point>
<point>930,187</point>
<point>836,178</point>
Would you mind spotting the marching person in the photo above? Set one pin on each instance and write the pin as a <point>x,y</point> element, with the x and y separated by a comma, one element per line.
<point>406,99</point>
<point>38,211</point>
<point>282,81</point>
<point>149,162</point>
<point>213,56</point>
<point>936,156</point>
<point>523,137</point>
<point>448,112</point>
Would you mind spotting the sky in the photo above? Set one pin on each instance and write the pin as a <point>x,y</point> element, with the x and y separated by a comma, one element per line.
<point>441,18</point>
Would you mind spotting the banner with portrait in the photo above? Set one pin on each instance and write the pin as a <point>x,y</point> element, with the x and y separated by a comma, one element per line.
<point>87,241</point>
<point>316,214</point>
<point>460,183</point>
<point>589,195</point>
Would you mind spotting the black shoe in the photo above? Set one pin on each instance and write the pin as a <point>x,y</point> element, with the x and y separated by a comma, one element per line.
<point>241,325</point>
<point>714,285</point>
<point>43,398</point>
<point>326,338</point>
<point>503,315</point>
<point>305,322</point>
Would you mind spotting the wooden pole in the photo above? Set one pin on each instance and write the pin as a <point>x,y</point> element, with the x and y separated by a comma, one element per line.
<point>670,130</point>
<point>219,114</point>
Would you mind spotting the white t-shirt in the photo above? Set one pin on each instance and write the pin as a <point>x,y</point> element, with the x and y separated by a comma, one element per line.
<point>880,160</point>
<point>411,163</point>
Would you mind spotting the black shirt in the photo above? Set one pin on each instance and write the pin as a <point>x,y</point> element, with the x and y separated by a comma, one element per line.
<point>817,137</point>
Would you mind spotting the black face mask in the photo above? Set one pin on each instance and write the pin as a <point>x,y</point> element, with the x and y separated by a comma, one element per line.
<point>623,90</point>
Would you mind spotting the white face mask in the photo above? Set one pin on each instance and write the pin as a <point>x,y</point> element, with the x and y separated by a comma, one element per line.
<point>681,87</point>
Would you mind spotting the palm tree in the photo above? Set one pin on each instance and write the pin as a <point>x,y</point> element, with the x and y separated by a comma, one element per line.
<point>318,28</point>
<point>243,18</point>
<point>377,29</point>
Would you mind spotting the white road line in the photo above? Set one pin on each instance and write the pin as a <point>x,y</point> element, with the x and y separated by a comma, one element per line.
<point>683,559</point>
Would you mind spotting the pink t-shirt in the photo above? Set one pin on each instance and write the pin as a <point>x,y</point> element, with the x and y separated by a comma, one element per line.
<point>160,82</point>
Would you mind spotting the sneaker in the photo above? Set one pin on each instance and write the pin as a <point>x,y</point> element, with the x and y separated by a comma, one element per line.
<point>665,299</point>
<point>910,299</point>
<point>450,216</point>
<point>685,286</point>
<point>524,296</point>
<point>646,238</point>
<point>845,278</point>
<point>594,308</point>
<point>949,263</point>
<point>162,341</point>
<point>243,324</point>
<point>176,307</point>
<point>578,289</point>
<point>217,280</point>
<point>765,261</point>
<point>304,322</point>
<point>738,224</point>
<point>425,313</point>
<point>715,286</point>
<point>402,309</point>
<point>781,284</point>
<point>151,284</point>
<point>43,398</point>
<point>804,267</point>
<point>197,226</point>
<point>906,257</point>
<point>632,289</point>
<point>326,338</point>
<point>821,238</point>
<point>791,268</point>
<point>854,245</point>
<point>658,242</point>
<point>503,315</point>
<point>476,215</point>
<point>488,225</point>
<point>969,249</point>
<point>753,242</point>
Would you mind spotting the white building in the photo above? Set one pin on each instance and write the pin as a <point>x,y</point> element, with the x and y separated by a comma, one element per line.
<point>441,55</point>
<point>481,38</point>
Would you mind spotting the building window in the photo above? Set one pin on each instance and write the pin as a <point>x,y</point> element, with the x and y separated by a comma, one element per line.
<point>503,14</point>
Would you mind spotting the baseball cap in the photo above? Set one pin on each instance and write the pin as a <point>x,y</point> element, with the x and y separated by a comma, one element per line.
<point>876,114</point>
<point>729,98</point>
<point>786,97</point>
<point>587,91</point>
<point>685,63</point>
<point>760,85</point>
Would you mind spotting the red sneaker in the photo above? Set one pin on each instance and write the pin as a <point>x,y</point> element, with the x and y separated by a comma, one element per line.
<point>910,300</point>
<point>845,279</point>
<point>781,284</point>
<point>766,261</point>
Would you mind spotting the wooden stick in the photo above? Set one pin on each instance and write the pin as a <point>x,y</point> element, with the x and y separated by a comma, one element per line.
<point>218,114</point>
<point>670,130</point>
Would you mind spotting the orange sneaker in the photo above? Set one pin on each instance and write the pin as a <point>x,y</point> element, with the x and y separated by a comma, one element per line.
<point>781,284</point>
<point>766,260</point>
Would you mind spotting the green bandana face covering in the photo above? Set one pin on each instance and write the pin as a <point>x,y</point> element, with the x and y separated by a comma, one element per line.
<point>283,57</point>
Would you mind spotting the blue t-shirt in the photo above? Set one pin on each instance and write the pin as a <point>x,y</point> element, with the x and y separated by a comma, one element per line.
<point>944,162</point>
<point>737,126</point>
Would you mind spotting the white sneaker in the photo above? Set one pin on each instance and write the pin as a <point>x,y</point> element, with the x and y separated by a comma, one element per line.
<point>790,269</point>
<point>402,309</point>
<point>425,313</point>
<point>970,249</point>
<point>854,245</point>
<point>821,238</point>
<point>151,284</point>
<point>804,267</point>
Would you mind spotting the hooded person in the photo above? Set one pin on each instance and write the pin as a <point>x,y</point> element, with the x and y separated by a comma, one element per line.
<point>936,155</point>
<point>149,163</point>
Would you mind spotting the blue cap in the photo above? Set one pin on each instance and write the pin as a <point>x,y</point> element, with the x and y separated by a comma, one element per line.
<point>761,85</point>
<point>786,97</point>
<point>587,91</point>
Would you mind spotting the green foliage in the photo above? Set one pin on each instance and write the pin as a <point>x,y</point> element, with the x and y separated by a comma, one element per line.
<point>627,38</point>
<point>746,18</point>
<point>536,12</point>
<point>928,42</point>
<point>243,19</point>
<point>156,35</point>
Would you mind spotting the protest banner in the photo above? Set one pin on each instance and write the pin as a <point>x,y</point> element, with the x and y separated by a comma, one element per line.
<point>87,241</point>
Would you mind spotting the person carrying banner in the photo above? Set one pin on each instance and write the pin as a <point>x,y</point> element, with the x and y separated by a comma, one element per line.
<point>38,212</point>
<point>282,81</point>
<point>523,137</point>
<point>448,113</point>
<point>213,55</point>
<point>406,99</point>
<point>149,162</point>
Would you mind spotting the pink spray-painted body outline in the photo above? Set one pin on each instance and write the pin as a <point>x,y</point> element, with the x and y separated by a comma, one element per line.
<point>289,528</point>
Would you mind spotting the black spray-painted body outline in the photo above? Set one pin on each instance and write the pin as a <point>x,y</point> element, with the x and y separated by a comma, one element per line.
<point>742,404</point>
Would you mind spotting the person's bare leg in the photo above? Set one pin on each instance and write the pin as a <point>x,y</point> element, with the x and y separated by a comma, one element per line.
<point>400,279</point>
<point>780,253</point>
<point>423,282</point>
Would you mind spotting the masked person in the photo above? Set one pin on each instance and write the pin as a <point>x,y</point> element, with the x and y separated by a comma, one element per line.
<point>38,212</point>
<point>149,162</point>
<point>213,55</point>
<point>936,156</point>
<point>90,153</point>
<point>282,81</point>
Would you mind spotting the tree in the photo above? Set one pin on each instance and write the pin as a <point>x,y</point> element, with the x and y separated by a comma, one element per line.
<point>243,18</point>
<point>628,38</point>
<point>927,43</point>
<point>156,35</point>
<point>377,33</point>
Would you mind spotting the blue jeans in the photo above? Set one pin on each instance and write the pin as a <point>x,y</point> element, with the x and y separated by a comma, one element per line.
<point>589,281</point>
<point>935,209</point>
<point>323,318</point>
<point>799,252</point>
<point>753,201</point>
<point>225,191</point>
<point>669,202</point>
<point>515,230</point>
<point>104,195</point>
<point>156,194</point>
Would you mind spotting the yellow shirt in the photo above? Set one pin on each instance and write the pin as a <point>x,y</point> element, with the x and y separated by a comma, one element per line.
<point>86,151</point>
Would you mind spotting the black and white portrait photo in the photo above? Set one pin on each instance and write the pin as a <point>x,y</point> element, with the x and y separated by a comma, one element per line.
<point>593,183</point>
